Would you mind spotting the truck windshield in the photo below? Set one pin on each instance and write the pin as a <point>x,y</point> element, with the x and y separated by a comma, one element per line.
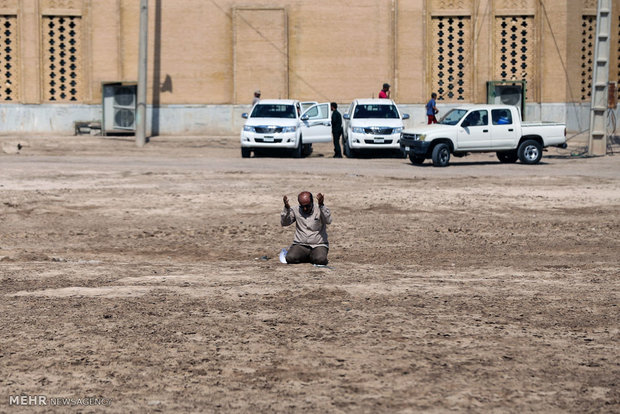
<point>273,111</point>
<point>376,111</point>
<point>453,117</point>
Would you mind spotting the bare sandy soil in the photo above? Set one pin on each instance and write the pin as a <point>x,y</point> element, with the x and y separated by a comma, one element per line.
<point>149,277</point>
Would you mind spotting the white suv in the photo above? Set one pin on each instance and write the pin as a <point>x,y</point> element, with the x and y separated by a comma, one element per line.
<point>372,124</point>
<point>280,123</point>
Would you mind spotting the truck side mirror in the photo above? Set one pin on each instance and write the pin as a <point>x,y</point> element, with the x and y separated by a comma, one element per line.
<point>346,116</point>
<point>405,116</point>
<point>305,117</point>
<point>465,124</point>
<point>244,115</point>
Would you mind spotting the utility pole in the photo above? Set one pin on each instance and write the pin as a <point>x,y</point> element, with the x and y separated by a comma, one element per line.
<point>142,58</point>
<point>597,143</point>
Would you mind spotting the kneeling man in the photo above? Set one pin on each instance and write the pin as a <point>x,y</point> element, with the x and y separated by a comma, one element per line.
<point>310,243</point>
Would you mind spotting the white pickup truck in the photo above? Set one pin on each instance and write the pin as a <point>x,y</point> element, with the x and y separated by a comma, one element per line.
<point>372,124</point>
<point>482,128</point>
<point>285,124</point>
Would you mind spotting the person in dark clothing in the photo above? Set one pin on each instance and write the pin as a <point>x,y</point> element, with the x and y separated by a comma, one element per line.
<point>336,129</point>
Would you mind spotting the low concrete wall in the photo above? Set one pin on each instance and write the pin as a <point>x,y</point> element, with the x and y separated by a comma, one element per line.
<point>60,119</point>
<point>196,120</point>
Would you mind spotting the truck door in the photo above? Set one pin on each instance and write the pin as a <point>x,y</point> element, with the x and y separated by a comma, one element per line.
<point>306,105</point>
<point>504,132</point>
<point>474,132</point>
<point>346,121</point>
<point>316,125</point>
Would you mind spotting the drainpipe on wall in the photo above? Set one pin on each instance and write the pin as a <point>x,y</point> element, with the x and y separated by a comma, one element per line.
<point>395,47</point>
<point>142,56</point>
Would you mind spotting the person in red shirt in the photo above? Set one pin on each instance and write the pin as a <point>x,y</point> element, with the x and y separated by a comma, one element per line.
<point>385,92</point>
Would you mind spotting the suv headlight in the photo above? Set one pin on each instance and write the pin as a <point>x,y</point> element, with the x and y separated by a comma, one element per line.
<point>357,130</point>
<point>289,129</point>
<point>397,130</point>
<point>248,128</point>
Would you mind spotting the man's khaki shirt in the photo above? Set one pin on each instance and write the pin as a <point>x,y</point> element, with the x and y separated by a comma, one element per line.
<point>311,228</point>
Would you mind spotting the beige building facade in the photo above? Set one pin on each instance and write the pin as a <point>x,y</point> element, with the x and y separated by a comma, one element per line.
<point>206,57</point>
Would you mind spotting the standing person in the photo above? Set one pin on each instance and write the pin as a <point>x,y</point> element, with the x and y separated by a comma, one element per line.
<point>336,129</point>
<point>431,109</point>
<point>256,97</point>
<point>385,92</point>
<point>310,243</point>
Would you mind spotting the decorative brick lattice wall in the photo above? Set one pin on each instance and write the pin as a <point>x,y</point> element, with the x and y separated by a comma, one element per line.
<point>588,38</point>
<point>451,58</point>
<point>514,50</point>
<point>62,58</point>
<point>9,69</point>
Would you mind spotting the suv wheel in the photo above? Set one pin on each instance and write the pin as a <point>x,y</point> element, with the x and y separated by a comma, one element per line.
<point>246,152</point>
<point>441,155</point>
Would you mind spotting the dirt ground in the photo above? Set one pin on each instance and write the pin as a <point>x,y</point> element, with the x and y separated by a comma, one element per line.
<point>149,278</point>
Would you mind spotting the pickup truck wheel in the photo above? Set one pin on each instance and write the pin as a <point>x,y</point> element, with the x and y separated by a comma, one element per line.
<point>298,151</point>
<point>416,159</point>
<point>507,156</point>
<point>530,152</point>
<point>441,155</point>
<point>348,152</point>
<point>246,152</point>
<point>307,150</point>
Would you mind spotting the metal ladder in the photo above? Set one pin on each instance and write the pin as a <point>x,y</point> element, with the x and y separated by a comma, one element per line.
<point>597,143</point>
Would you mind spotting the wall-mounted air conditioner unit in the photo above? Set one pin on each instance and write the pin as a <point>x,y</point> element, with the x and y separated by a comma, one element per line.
<point>119,100</point>
<point>507,93</point>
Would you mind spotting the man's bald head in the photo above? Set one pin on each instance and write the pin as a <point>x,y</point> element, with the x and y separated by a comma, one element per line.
<point>304,197</point>
<point>305,201</point>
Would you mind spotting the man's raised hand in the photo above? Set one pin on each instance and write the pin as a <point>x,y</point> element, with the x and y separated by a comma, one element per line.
<point>319,198</point>
<point>286,204</point>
